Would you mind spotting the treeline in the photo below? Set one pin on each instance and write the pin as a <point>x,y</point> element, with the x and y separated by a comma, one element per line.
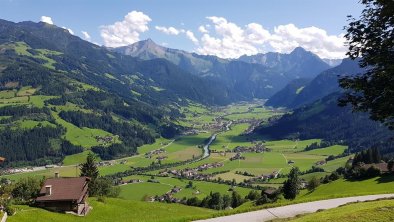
<point>131,136</point>
<point>316,145</point>
<point>216,201</point>
<point>368,156</point>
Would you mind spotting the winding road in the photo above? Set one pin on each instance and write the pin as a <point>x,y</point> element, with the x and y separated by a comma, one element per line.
<point>294,210</point>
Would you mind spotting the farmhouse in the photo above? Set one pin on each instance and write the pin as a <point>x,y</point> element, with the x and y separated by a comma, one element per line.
<point>65,195</point>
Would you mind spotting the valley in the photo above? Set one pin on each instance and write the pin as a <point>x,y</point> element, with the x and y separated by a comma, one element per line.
<point>238,159</point>
<point>220,118</point>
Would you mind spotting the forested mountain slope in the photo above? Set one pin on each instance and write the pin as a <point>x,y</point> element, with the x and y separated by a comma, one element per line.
<point>61,95</point>
<point>322,85</point>
<point>325,119</point>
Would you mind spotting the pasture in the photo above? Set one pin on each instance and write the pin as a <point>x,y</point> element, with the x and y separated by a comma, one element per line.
<point>115,210</point>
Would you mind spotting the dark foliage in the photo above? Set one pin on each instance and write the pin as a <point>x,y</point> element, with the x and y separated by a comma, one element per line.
<point>371,38</point>
<point>334,124</point>
<point>291,185</point>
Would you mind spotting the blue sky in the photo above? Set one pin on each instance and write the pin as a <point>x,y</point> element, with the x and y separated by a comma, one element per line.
<point>233,27</point>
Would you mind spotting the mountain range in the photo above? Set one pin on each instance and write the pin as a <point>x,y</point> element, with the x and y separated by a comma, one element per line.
<point>245,78</point>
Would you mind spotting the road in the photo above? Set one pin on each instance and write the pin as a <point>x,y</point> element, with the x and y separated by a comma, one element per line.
<point>293,210</point>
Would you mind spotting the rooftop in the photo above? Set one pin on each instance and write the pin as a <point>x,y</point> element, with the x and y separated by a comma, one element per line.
<point>64,189</point>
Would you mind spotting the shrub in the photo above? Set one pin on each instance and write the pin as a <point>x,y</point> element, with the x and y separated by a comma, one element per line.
<point>10,210</point>
<point>313,184</point>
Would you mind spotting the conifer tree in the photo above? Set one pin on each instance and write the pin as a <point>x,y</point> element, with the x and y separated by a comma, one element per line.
<point>291,185</point>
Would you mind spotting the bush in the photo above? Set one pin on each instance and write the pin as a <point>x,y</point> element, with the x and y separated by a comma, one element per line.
<point>313,184</point>
<point>253,195</point>
<point>10,210</point>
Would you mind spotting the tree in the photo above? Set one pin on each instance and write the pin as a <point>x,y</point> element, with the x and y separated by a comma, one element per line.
<point>371,38</point>
<point>26,189</point>
<point>313,184</point>
<point>390,165</point>
<point>103,187</point>
<point>236,199</point>
<point>89,168</point>
<point>291,185</point>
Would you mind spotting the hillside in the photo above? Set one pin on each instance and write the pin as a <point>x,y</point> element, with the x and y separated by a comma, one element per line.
<point>60,95</point>
<point>286,96</point>
<point>322,85</point>
<point>325,119</point>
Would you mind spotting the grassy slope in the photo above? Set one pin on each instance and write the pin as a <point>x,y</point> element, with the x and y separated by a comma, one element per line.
<point>382,211</point>
<point>138,190</point>
<point>115,210</point>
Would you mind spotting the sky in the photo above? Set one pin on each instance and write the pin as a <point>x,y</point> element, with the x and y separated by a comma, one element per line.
<point>225,28</point>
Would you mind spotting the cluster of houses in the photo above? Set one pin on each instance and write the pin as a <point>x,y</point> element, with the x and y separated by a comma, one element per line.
<point>154,152</point>
<point>104,139</point>
<point>237,156</point>
<point>192,173</point>
<point>216,126</point>
<point>124,182</point>
<point>263,177</point>
<point>168,197</point>
<point>257,148</point>
<point>105,163</point>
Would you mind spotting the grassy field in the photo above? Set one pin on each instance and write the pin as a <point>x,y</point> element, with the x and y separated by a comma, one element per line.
<point>289,145</point>
<point>327,151</point>
<point>115,210</point>
<point>382,211</point>
<point>342,188</point>
<point>138,191</point>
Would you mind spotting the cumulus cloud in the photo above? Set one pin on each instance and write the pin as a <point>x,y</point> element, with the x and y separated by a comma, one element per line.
<point>127,31</point>
<point>169,30</point>
<point>231,41</point>
<point>190,35</point>
<point>86,35</point>
<point>316,40</point>
<point>46,19</point>
<point>202,29</point>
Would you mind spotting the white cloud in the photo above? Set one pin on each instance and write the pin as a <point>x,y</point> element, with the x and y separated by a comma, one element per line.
<point>69,30</point>
<point>86,35</point>
<point>190,35</point>
<point>46,19</point>
<point>170,30</point>
<point>202,29</point>
<point>231,41</point>
<point>127,31</point>
<point>316,40</point>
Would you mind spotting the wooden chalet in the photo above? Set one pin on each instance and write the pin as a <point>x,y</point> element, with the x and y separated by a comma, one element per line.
<point>65,195</point>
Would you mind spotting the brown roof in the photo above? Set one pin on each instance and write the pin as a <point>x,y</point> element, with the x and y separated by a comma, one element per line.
<point>381,166</point>
<point>63,189</point>
<point>269,191</point>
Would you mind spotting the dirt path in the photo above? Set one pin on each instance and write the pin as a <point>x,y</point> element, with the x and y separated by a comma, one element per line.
<point>293,210</point>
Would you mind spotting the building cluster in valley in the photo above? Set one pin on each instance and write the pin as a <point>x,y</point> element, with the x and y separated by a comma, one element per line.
<point>158,152</point>
<point>192,173</point>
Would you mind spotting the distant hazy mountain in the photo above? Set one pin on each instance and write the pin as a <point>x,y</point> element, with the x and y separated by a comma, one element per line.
<point>287,95</point>
<point>322,85</point>
<point>333,62</point>
<point>298,64</point>
<point>244,78</point>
